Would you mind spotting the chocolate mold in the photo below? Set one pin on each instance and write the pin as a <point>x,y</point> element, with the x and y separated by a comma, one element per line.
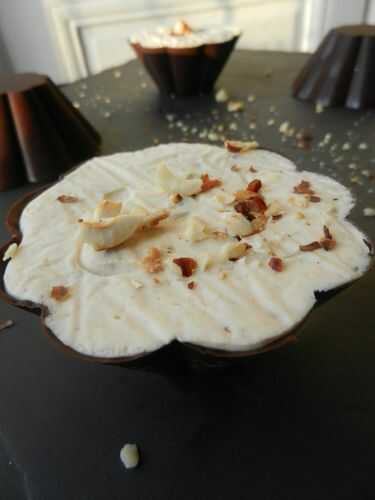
<point>342,70</point>
<point>41,135</point>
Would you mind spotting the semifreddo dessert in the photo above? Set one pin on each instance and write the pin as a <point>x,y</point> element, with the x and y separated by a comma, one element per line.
<point>184,61</point>
<point>220,247</point>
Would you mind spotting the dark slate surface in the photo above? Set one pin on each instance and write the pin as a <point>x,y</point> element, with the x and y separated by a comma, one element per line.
<point>291,424</point>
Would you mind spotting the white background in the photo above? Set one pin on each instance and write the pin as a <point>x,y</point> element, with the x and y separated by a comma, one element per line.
<point>70,39</point>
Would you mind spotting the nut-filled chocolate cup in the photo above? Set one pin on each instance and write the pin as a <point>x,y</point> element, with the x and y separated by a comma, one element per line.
<point>130,272</point>
<point>187,63</point>
<point>342,70</point>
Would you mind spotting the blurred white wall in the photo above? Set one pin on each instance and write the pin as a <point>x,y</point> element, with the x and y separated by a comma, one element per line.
<point>70,39</point>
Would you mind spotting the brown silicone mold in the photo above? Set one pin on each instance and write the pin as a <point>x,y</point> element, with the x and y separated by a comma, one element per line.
<point>175,357</point>
<point>342,70</point>
<point>41,135</point>
<point>185,71</point>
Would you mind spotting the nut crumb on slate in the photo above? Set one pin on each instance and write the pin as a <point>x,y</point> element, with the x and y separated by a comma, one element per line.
<point>234,106</point>
<point>152,261</point>
<point>369,212</point>
<point>7,323</point>
<point>60,293</point>
<point>129,455</point>
<point>221,95</point>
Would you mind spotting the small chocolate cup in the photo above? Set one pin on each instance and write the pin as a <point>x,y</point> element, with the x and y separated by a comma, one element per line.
<point>185,71</point>
<point>41,134</point>
<point>342,70</point>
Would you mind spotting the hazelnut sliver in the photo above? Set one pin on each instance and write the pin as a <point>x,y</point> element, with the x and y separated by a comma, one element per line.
<point>66,198</point>
<point>310,247</point>
<point>208,183</point>
<point>60,293</point>
<point>186,265</point>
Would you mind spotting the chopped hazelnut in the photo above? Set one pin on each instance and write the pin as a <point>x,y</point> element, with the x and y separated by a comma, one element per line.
<point>152,261</point>
<point>186,265</point>
<point>60,293</point>
<point>240,146</point>
<point>65,198</point>
<point>276,264</point>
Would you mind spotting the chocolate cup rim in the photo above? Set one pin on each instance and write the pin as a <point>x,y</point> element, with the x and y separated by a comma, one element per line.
<point>12,220</point>
<point>166,48</point>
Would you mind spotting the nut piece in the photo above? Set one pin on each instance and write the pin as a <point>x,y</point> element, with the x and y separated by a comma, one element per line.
<point>186,265</point>
<point>235,106</point>
<point>221,95</point>
<point>303,188</point>
<point>254,186</point>
<point>181,28</point>
<point>107,208</point>
<point>129,456</point>
<point>104,234</point>
<point>172,184</point>
<point>191,285</point>
<point>196,229</point>
<point>238,225</point>
<point>175,198</point>
<point>60,293</point>
<point>10,252</point>
<point>208,183</point>
<point>310,247</point>
<point>65,198</point>
<point>152,261</point>
<point>240,146</point>
<point>234,251</point>
<point>276,264</point>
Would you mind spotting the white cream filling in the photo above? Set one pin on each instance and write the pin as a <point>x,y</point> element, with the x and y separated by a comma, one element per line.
<point>235,306</point>
<point>161,37</point>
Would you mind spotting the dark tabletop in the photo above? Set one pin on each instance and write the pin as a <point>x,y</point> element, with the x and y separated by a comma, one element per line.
<point>293,424</point>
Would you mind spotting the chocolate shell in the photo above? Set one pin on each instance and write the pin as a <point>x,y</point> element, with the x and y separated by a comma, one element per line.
<point>342,70</point>
<point>185,71</point>
<point>41,135</point>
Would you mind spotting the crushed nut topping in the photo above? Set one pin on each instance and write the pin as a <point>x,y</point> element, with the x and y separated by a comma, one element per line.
<point>328,242</point>
<point>240,146</point>
<point>254,186</point>
<point>253,169</point>
<point>235,168</point>
<point>186,265</point>
<point>276,264</point>
<point>65,198</point>
<point>175,198</point>
<point>303,188</point>
<point>248,208</point>
<point>181,28</point>
<point>60,293</point>
<point>234,251</point>
<point>152,261</point>
<point>277,217</point>
<point>310,247</point>
<point>314,199</point>
<point>191,285</point>
<point>208,183</point>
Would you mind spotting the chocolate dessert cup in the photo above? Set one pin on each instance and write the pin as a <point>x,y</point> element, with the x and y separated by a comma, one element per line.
<point>342,70</point>
<point>42,135</point>
<point>176,357</point>
<point>185,71</point>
